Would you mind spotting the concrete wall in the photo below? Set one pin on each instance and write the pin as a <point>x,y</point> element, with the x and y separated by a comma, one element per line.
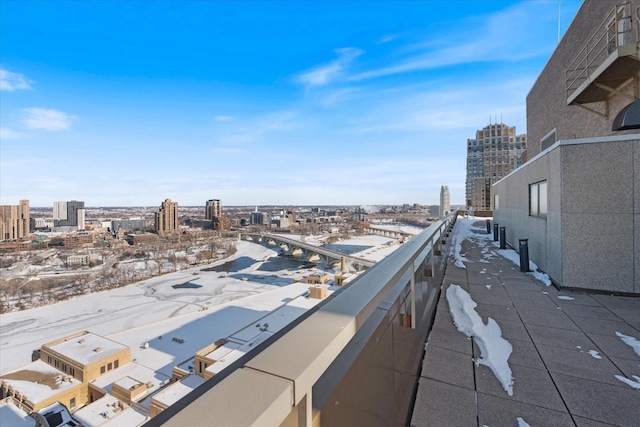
<point>600,215</point>
<point>591,236</point>
<point>544,234</point>
<point>547,102</point>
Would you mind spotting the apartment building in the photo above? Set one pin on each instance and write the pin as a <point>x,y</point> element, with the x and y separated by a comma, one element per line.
<point>14,221</point>
<point>493,154</point>
<point>166,219</point>
<point>445,201</point>
<point>69,214</point>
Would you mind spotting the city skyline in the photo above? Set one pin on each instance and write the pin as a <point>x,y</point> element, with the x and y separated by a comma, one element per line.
<point>306,103</point>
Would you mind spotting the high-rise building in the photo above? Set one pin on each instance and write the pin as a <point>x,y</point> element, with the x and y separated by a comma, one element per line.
<point>14,221</point>
<point>213,212</point>
<point>69,214</point>
<point>257,218</point>
<point>213,209</point>
<point>493,154</point>
<point>166,219</point>
<point>445,201</point>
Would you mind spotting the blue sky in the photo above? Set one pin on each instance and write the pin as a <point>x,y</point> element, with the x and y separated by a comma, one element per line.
<point>122,103</point>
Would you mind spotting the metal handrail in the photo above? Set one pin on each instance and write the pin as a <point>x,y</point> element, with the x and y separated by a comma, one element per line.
<point>289,366</point>
<point>600,45</point>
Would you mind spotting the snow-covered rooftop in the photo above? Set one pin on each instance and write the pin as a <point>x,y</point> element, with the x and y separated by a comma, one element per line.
<point>178,390</point>
<point>11,415</point>
<point>87,348</point>
<point>236,354</point>
<point>109,411</point>
<point>38,381</point>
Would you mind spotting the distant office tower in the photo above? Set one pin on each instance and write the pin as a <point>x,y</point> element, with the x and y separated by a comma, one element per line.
<point>213,209</point>
<point>214,213</point>
<point>166,219</point>
<point>445,201</point>
<point>257,218</point>
<point>14,221</point>
<point>69,214</point>
<point>495,152</point>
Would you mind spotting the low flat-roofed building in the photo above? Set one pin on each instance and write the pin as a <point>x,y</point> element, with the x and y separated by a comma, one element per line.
<point>318,278</point>
<point>212,353</point>
<point>38,385</point>
<point>171,394</point>
<point>74,260</point>
<point>84,355</point>
<point>141,238</point>
<point>234,355</point>
<point>129,389</point>
<point>109,411</point>
<point>343,279</point>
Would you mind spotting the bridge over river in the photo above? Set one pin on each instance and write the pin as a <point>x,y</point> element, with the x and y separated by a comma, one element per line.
<point>306,251</point>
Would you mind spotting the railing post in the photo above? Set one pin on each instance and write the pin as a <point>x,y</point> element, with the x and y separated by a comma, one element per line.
<point>305,411</point>
<point>413,295</point>
<point>432,257</point>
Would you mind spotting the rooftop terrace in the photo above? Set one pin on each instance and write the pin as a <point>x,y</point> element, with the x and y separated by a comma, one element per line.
<point>575,356</point>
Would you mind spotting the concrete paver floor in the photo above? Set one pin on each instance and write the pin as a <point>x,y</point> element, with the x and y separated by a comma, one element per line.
<point>565,359</point>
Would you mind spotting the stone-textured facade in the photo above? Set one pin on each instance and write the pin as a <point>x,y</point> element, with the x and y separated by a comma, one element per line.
<point>584,228</point>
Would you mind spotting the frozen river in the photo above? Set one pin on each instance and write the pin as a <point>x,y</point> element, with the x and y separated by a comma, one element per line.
<point>168,296</point>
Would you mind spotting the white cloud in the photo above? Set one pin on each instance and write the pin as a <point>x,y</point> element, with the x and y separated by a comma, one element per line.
<point>324,74</point>
<point>13,81</point>
<point>6,133</point>
<point>496,37</point>
<point>387,38</point>
<point>223,118</point>
<point>42,118</point>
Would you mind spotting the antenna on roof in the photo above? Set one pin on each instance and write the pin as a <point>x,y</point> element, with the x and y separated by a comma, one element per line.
<point>559,7</point>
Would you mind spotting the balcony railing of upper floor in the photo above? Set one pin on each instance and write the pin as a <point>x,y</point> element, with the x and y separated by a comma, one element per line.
<point>608,61</point>
<point>352,360</point>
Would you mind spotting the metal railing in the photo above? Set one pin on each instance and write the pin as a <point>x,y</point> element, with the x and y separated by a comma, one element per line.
<point>613,32</point>
<point>352,360</point>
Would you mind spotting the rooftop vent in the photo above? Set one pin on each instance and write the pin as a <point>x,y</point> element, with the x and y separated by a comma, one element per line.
<point>628,117</point>
<point>97,349</point>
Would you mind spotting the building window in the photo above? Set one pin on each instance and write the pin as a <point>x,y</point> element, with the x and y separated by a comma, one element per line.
<point>496,202</point>
<point>109,366</point>
<point>116,364</point>
<point>538,199</point>
<point>72,403</point>
<point>102,369</point>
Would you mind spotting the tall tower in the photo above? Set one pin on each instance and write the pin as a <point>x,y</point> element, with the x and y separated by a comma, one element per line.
<point>14,221</point>
<point>69,214</point>
<point>445,201</point>
<point>166,219</point>
<point>213,209</point>
<point>493,154</point>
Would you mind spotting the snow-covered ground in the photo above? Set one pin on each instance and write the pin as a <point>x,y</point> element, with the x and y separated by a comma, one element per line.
<point>223,299</point>
<point>464,229</point>
<point>139,304</point>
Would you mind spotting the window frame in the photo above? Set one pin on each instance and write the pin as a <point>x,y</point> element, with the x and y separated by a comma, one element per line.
<point>538,205</point>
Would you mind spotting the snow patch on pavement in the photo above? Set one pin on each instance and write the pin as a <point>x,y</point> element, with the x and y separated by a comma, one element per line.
<point>630,341</point>
<point>494,349</point>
